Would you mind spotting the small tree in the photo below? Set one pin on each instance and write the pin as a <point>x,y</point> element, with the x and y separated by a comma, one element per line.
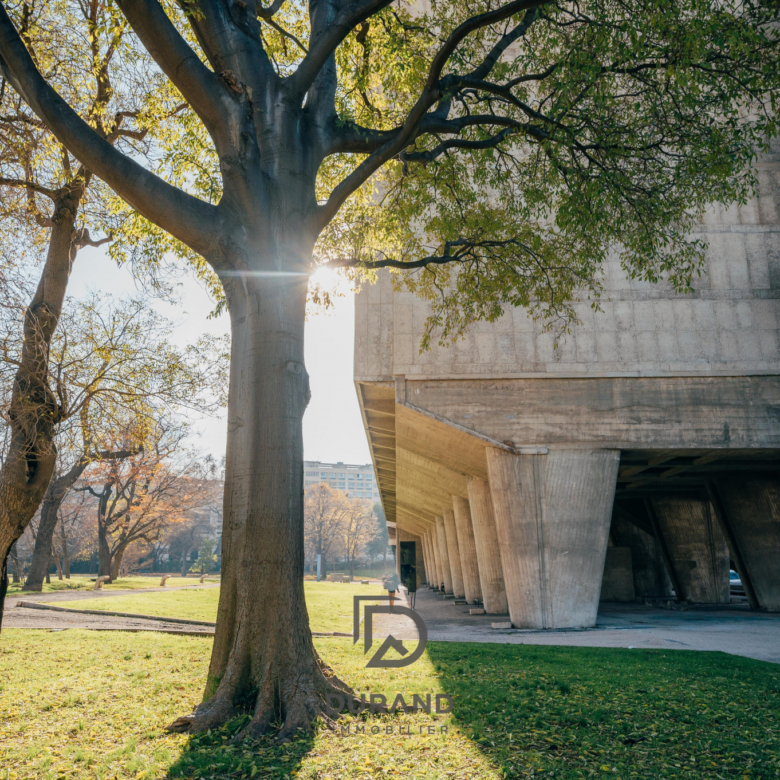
<point>324,513</point>
<point>142,496</point>
<point>206,561</point>
<point>356,530</point>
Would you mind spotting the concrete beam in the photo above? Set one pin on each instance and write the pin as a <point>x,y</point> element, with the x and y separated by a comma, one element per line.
<point>491,575</point>
<point>468,549</point>
<point>552,517</point>
<point>453,550</point>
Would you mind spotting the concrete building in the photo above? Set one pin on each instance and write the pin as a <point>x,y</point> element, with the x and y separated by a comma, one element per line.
<point>653,428</point>
<point>355,480</point>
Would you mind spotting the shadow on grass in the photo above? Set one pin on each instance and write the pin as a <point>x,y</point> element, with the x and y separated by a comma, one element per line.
<point>215,754</point>
<point>577,712</point>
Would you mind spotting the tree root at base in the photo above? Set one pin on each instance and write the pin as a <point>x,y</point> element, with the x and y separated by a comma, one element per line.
<point>298,707</point>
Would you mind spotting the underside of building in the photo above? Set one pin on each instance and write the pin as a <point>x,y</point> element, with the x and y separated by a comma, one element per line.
<point>637,457</point>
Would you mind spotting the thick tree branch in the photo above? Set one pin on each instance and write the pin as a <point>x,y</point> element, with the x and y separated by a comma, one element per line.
<point>434,90</point>
<point>200,86</point>
<point>325,41</point>
<point>267,13</point>
<point>187,218</point>
<point>503,44</point>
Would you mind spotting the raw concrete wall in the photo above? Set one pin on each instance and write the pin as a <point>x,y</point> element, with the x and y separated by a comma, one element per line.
<point>617,583</point>
<point>729,324</point>
<point>649,572</point>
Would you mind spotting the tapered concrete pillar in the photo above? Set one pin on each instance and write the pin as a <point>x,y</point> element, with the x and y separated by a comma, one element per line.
<point>468,549</point>
<point>491,575</point>
<point>453,551</point>
<point>749,511</point>
<point>431,567</point>
<point>697,550</point>
<point>552,517</point>
<point>444,557</point>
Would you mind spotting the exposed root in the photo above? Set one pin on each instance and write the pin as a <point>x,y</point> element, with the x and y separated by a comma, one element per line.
<point>298,704</point>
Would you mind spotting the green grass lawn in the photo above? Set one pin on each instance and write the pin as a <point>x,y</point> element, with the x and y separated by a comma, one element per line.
<point>123,583</point>
<point>92,706</point>
<point>329,604</point>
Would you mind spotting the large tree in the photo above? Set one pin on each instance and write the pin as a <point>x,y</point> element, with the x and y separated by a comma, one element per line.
<point>516,142</point>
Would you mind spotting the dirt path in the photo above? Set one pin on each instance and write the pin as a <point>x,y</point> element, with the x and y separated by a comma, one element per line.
<point>21,617</point>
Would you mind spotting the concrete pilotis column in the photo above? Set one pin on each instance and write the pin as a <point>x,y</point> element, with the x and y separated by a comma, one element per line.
<point>453,550</point>
<point>552,517</point>
<point>441,541</point>
<point>430,563</point>
<point>468,549</point>
<point>697,549</point>
<point>491,575</point>
<point>749,510</point>
<point>433,543</point>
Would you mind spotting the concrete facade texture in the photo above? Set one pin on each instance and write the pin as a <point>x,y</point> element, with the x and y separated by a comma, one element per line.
<point>617,583</point>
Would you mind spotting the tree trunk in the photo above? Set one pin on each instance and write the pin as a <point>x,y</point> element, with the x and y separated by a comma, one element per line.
<point>57,564</point>
<point>35,410</point>
<point>65,554</point>
<point>263,650</point>
<point>42,552</point>
<point>116,563</point>
<point>185,561</point>
<point>3,586</point>
<point>55,495</point>
<point>17,574</point>
<point>48,566</point>
<point>104,553</point>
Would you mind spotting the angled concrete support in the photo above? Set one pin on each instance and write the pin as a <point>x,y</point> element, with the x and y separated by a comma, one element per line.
<point>491,575</point>
<point>647,562</point>
<point>453,550</point>
<point>441,548</point>
<point>468,549</point>
<point>697,550</point>
<point>552,517</point>
<point>749,513</point>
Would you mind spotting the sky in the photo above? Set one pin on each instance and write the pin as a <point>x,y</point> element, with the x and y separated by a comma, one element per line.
<point>332,427</point>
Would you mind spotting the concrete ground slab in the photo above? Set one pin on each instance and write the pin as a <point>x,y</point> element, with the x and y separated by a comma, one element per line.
<point>728,630</point>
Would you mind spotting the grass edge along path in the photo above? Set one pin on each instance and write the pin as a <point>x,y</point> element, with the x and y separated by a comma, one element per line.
<point>329,604</point>
<point>93,706</point>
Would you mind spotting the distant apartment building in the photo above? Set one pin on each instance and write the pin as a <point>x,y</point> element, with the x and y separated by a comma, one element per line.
<point>356,481</point>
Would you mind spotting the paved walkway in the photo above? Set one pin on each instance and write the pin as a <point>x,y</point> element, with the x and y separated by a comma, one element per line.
<point>730,630</point>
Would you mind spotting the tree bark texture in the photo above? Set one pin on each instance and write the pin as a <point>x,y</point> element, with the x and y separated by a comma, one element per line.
<point>55,495</point>
<point>262,641</point>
